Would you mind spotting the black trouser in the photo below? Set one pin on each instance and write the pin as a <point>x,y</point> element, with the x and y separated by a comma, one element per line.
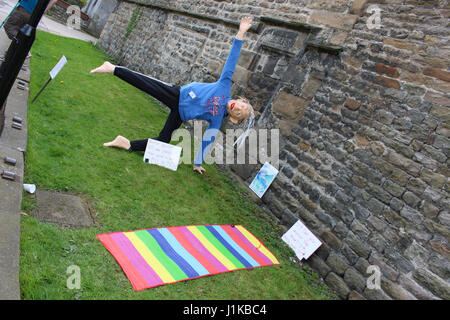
<point>18,18</point>
<point>168,94</point>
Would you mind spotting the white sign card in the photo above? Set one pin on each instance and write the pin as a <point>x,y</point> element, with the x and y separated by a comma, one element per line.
<point>301,240</point>
<point>58,67</point>
<point>263,179</point>
<point>162,154</point>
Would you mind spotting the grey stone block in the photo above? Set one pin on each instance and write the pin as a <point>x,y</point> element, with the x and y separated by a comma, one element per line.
<point>338,263</point>
<point>354,279</point>
<point>378,242</point>
<point>393,188</point>
<point>444,218</point>
<point>316,263</point>
<point>340,230</point>
<point>359,229</point>
<point>386,270</point>
<point>412,215</point>
<point>361,248</point>
<point>402,264</point>
<point>355,296</point>
<point>433,283</point>
<point>396,204</point>
<point>440,266</point>
<point>337,284</point>
<point>351,255</point>
<point>395,291</point>
<point>376,294</point>
<point>361,265</point>
<point>428,209</point>
<point>411,199</point>
<point>413,287</point>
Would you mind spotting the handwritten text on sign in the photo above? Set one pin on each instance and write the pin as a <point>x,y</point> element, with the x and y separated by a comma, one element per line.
<point>162,154</point>
<point>301,240</point>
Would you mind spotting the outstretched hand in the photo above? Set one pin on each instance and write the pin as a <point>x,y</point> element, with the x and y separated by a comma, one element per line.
<point>199,169</point>
<point>246,24</point>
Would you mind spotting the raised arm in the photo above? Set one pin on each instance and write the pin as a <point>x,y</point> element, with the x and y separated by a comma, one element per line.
<point>233,57</point>
<point>246,24</point>
<point>227,75</point>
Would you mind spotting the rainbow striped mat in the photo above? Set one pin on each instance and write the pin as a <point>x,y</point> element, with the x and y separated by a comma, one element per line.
<point>155,257</point>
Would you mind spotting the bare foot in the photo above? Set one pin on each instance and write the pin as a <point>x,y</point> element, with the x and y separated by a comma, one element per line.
<point>106,67</point>
<point>119,142</point>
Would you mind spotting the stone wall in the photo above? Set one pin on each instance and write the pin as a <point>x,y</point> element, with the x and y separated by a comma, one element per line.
<point>363,115</point>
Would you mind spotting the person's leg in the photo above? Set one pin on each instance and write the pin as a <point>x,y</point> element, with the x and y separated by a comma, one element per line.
<point>18,18</point>
<point>166,93</point>
<point>106,67</point>
<point>119,142</point>
<point>173,123</point>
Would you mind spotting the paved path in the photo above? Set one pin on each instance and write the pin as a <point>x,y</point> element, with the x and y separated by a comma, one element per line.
<point>47,24</point>
<point>13,145</point>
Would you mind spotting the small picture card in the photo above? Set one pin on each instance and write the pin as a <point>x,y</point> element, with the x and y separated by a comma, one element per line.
<point>301,240</point>
<point>162,154</point>
<point>264,179</point>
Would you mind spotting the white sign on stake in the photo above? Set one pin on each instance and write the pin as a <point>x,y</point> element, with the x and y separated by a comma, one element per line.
<point>53,74</point>
<point>162,154</point>
<point>301,240</point>
<point>58,67</point>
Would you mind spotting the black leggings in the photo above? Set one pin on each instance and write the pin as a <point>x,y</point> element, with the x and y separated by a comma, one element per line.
<point>166,93</point>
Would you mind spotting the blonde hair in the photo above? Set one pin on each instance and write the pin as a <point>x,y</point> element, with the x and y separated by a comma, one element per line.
<point>246,124</point>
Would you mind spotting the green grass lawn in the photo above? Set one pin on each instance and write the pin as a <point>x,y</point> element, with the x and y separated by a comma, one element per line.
<point>68,124</point>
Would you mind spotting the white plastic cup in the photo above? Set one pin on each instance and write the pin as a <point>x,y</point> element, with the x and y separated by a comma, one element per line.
<point>30,188</point>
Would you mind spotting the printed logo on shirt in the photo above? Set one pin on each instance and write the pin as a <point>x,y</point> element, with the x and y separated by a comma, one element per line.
<point>215,105</point>
<point>192,94</point>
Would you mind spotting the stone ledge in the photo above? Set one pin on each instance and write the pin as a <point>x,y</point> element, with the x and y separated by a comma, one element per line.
<point>298,26</point>
<point>327,47</point>
<point>256,28</point>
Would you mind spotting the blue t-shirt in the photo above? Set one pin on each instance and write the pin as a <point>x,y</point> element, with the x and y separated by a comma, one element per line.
<point>29,5</point>
<point>208,101</point>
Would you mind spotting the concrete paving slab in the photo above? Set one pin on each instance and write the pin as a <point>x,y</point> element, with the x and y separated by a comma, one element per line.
<point>10,206</point>
<point>62,209</point>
